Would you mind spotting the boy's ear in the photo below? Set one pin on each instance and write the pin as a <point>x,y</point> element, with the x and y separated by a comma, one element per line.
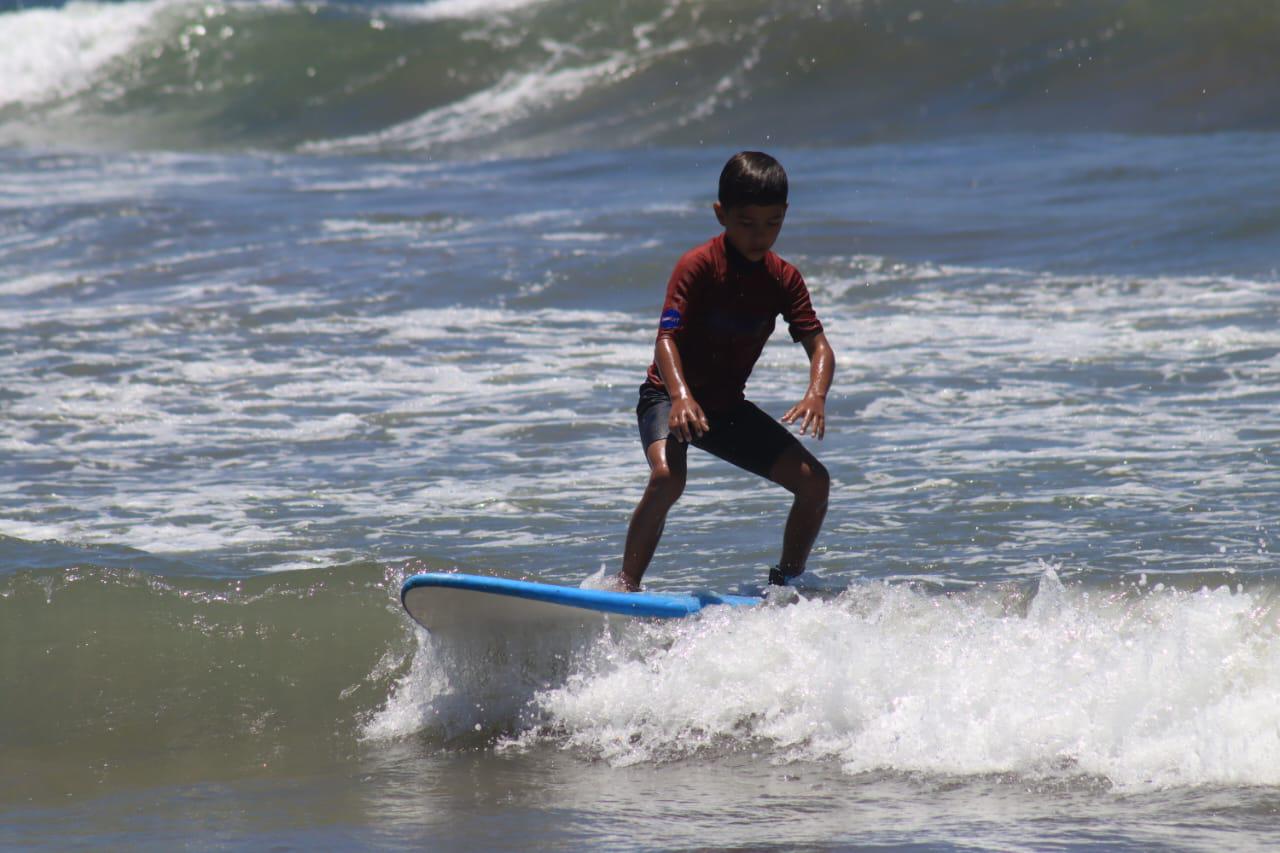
<point>719,209</point>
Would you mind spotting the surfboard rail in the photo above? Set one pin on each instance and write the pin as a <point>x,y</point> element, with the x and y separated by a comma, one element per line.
<point>421,595</point>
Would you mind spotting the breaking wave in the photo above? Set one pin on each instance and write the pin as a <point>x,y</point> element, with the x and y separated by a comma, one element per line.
<point>1140,687</point>
<point>470,78</point>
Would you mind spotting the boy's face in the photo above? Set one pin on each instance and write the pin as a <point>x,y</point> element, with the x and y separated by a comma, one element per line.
<point>752,229</point>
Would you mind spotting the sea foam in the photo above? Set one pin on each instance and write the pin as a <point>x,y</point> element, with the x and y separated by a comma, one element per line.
<point>1144,688</point>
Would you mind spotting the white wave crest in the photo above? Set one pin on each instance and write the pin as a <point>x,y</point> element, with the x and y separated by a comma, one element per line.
<point>55,53</point>
<point>466,9</point>
<point>516,97</point>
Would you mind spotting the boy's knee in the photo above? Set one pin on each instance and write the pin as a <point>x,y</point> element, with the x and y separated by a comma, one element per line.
<point>815,481</point>
<point>666,485</point>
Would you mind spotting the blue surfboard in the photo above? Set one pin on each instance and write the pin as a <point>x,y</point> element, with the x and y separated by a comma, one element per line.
<point>439,601</point>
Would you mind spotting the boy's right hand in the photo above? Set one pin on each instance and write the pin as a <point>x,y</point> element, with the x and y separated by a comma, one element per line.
<point>687,421</point>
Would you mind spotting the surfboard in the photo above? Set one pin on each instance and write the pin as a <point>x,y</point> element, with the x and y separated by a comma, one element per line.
<point>439,601</point>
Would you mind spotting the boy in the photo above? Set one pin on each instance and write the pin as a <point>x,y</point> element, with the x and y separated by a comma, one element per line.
<point>721,305</point>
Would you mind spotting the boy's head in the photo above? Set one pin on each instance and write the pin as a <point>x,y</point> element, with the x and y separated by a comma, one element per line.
<point>752,177</point>
<point>753,202</point>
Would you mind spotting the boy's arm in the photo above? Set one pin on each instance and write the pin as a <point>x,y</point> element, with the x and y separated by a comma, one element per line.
<point>687,420</point>
<point>812,410</point>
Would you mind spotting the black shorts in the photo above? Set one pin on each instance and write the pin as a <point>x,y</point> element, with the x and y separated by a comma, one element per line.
<point>743,435</point>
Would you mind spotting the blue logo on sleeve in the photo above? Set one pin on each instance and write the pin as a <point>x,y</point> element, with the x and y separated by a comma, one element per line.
<point>670,319</point>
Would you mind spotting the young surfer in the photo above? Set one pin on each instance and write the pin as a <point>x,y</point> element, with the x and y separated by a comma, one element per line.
<point>722,302</point>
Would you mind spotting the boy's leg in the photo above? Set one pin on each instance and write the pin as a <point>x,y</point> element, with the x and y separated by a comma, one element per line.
<point>797,471</point>
<point>754,441</point>
<point>668,467</point>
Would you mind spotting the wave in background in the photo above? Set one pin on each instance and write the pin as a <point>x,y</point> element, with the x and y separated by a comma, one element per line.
<point>462,77</point>
<point>1141,685</point>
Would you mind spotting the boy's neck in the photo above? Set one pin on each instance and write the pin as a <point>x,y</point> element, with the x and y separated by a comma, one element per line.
<point>737,259</point>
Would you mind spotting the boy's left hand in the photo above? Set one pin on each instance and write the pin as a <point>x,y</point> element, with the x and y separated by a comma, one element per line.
<point>811,412</point>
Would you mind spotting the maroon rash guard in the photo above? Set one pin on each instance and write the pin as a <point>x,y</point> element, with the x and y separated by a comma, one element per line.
<point>720,310</point>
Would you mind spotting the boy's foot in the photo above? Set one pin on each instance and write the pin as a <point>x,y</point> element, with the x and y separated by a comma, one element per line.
<point>780,596</point>
<point>607,583</point>
<point>777,578</point>
<point>619,583</point>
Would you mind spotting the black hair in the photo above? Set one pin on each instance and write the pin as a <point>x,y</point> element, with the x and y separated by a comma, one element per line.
<point>752,177</point>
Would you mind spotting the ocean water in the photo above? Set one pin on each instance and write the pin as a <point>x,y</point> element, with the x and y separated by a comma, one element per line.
<point>299,299</point>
